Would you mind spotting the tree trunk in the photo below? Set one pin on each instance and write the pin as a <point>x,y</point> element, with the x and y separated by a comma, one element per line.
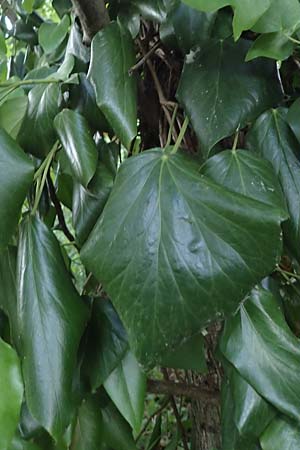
<point>206,416</point>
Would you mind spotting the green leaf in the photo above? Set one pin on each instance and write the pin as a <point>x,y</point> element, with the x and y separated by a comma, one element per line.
<point>116,431</point>
<point>75,45</point>
<point>16,174</point>
<point>113,54</point>
<point>88,432</point>
<point>271,45</point>
<point>153,10</point>
<point>51,319</point>
<point>11,393</point>
<point>126,386</point>
<point>88,203</point>
<point>107,343</point>
<point>293,118</point>
<point>155,436</point>
<point>186,234</point>
<point>12,112</point>
<point>243,172</point>
<point>189,356</point>
<point>51,35</point>
<point>282,15</point>
<point>20,444</point>
<point>218,99</point>
<point>259,343</point>
<point>3,48</point>
<point>273,139</point>
<point>191,27</point>
<point>252,413</point>
<point>28,5</point>
<point>8,293</point>
<point>246,12</point>
<point>281,434</point>
<point>77,140</point>
<point>42,108</point>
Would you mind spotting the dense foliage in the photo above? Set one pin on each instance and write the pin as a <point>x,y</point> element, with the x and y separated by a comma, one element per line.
<point>149,218</point>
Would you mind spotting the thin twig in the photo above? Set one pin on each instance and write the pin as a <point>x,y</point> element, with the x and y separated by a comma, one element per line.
<point>177,415</point>
<point>144,58</point>
<point>59,211</point>
<point>156,413</point>
<point>191,391</point>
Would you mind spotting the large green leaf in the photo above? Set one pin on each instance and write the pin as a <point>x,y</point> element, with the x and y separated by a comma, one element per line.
<point>219,99</point>
<point>77,140</point>
<point>112,56</point>
<point>281,434</point>
<point>42,108</point>
<point>51,35</point>
<point>245,173</point>
<point>20,444</point>
<point>12,112</point>
<point>189,356</point>
<point>107,343</point>
<point>11,393</point>
<point>16,174</point>
<point>293,118</point>
<point>165,251</point>
<point>259,343</point>
<point>51,319</point>
<point>246,12</point>
<point>273,139</point>
<point>126,386</point>
<point>252,413</point>
<point>8,293</point>
<point>88,433</point>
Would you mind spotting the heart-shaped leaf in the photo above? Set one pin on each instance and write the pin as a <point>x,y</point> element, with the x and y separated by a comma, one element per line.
<point>218,99</point>
<point>165,251</point>
<point>51,319</point>
<point>76,138</point>
<point>16,174</point>
<point>259,343</point>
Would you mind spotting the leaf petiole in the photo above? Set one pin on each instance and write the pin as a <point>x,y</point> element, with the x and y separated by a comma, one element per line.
<point>181,135</point>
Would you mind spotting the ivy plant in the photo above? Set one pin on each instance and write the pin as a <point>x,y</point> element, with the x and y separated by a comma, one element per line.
<point>149,225</point>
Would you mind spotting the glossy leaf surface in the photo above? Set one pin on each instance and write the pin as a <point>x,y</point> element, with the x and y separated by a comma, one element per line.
<point>218,99</point>
<point>16,174</point>
<point>184,253</point>
<point>11,393</point>
<point>88,432</point>
<point>112,56</point>
<point>42,108</point>
<point>243,172</point>
<point>293,118</point>
<point>12,113</point>
<point>259,343</point>
<point>76,138</point>
<point>51,35</point>
<point>126,386</point>
<point>281,434</point>
<point>8,293</point>
<point>189,356</point>
<point>107,342</point>
<point>51,320</point>
<point>273,139</point>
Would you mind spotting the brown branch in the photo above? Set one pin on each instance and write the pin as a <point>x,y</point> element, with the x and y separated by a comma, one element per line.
<point>170,388</point>
<point>93,16</point>
<point>8,11</point>
<point>156,413</point>
<point>59,211</point>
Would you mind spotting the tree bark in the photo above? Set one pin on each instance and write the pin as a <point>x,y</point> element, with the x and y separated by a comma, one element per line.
<point>93,16</point>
